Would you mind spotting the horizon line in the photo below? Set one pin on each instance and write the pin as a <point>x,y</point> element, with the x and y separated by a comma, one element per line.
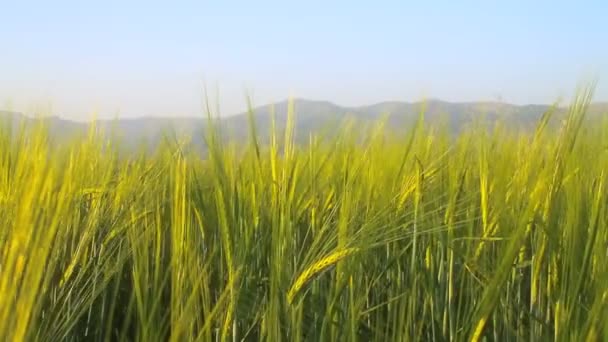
<point>92,118</point>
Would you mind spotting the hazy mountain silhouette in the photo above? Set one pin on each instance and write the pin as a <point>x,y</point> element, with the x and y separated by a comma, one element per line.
<point>311,116</point>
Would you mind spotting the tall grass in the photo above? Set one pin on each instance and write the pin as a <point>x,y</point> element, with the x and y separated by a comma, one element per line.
<point>365,236</point>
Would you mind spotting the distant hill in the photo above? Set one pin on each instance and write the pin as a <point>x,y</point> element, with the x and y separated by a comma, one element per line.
<point>311,116</point>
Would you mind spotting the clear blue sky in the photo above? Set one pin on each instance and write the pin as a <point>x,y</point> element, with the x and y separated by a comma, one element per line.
<point>151,58</point>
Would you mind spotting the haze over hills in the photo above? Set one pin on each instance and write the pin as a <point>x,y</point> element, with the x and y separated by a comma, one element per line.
<point>311,116</point>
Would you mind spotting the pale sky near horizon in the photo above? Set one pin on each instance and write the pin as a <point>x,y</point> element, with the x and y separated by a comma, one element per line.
<point>135,58</point>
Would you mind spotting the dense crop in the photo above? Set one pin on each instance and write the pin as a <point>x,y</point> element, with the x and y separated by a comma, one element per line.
<point>496,234</point>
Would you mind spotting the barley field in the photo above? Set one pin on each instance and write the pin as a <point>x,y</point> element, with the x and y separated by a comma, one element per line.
<point>495,234</point>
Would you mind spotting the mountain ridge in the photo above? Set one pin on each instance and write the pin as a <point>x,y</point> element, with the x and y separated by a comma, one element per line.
<point>311,116</point>
<point>283,103</point>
